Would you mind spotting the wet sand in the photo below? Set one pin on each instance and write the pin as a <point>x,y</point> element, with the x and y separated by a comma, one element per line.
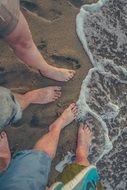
<point>52,23</point>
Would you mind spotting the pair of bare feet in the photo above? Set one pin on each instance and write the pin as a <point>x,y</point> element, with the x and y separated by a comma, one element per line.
<point>69,114</point>
<point>84,133</point>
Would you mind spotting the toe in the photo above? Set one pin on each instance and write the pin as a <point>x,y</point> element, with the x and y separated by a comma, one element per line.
<point>72,71</point>
<point>70,77</point>
<point>67,79</point>
<point>81,128</point>
<point>58,93</point>
<point>72,105</point>
<point>81,125</point>
<point>3,135</point>
<point>85,126</point>
<point>57,88</point>
<point>87,130</point>
<point>75,113</point>
<point>75,116</point>
<point>75,108</point>
<point>54,99</point>
<point>57,96</point>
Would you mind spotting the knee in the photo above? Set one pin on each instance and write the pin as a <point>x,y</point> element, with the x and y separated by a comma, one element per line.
<point>22,43</point>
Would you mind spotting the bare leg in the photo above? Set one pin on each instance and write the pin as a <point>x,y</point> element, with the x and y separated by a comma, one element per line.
<point>22,43</point>
<point>84,140</point>
<point>39,96</point>
<point>5,155</point>
<point>49,142</point>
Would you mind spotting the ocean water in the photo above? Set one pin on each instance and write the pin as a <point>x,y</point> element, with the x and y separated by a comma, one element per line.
<point>102,30</point>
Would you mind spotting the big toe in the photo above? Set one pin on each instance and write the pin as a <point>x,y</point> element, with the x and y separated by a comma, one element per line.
<point>3,135</point>
<point>72,72</point>
<point>87,130</point>
<point>81,129</point>
<point>57,88</point>
<point>57,93</point>
<point>72,106</point>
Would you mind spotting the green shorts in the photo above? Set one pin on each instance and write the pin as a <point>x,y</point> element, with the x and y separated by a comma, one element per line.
<point>9,16</point>
<point>78,176</point>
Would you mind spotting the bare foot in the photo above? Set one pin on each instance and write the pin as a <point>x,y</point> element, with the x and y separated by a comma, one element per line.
<point>66,118</point>
<point>84,139</point>
<point>44,95</point>
<point>5,155</point>
<point>39,96</point>
<point>58,74</point>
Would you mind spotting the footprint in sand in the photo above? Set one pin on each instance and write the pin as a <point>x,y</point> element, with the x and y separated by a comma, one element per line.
<point>66,62</point>
<point>54,14</point>
<point>42,46</point>
<point>50,15</point>
<point>72,63</point>
<point>79,3</point>
<point>29,4</point>
<point>76,3</point>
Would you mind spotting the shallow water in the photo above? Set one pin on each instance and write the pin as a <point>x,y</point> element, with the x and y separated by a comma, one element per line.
<point>102,29</point>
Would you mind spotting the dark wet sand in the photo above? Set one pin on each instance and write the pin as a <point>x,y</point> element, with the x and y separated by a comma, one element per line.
<point>52,23</point>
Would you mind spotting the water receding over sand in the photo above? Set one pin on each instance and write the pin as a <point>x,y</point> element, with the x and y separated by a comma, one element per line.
<point>101,28</point>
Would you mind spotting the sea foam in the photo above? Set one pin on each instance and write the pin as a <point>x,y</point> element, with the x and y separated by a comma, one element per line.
<point>102,30</point>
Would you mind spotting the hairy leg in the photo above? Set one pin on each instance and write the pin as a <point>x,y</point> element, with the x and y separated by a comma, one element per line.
<point>39,96</point>
<point>84,140</point>
<point>49,142</point>
<point>20,40</point>
<point>5,155</point>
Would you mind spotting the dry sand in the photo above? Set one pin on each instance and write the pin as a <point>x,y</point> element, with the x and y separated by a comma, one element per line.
<point>52,23</point>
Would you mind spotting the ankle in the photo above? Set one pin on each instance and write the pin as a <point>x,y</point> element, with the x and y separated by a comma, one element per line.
<point>28,98</point>
<point>81,154</point>
<point>45,69</point>
<point>55,128</point>
<point>83,162</point>
<point>24,100</point>
<point>58,124</point>
<point>82,159</point>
